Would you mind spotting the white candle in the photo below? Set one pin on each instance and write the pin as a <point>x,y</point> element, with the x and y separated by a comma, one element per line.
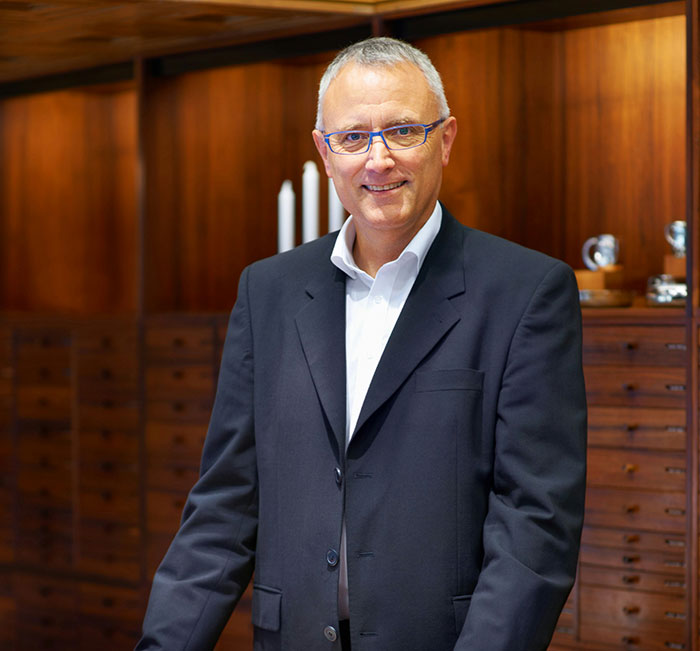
<point>309,197</point>
<point>285,217</point>
<point>336,212</point>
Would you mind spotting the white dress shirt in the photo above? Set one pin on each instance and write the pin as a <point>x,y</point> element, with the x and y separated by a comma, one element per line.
<point>372,307</point>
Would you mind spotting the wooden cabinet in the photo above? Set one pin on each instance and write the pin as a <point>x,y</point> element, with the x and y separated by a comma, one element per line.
<point>129,209</point>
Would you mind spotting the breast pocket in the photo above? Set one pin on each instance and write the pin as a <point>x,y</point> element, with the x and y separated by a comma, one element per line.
<point>453,379</point>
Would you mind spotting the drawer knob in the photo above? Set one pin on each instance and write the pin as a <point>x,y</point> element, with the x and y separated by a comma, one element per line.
<point>630,610</point>
<point>628,560</point>
<point>629,468</point>
<point>630,508</point>
<point>675,387</point>
<point>631,427</point>
<point>629,345</point>
<point>631,537</point>
<point>629,387</point>
<point>629,580</point>
<point>629,639</point>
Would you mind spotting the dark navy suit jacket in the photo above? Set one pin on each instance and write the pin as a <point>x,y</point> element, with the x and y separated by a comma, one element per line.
<point>462,489</point>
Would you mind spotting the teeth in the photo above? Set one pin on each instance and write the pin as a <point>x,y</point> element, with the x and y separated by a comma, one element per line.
<point>379,188</point>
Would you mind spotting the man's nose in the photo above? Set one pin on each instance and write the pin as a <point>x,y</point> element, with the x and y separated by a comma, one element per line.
<point>379,154</point>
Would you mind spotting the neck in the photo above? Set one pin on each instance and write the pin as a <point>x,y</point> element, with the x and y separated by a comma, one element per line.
<point>370,253</point>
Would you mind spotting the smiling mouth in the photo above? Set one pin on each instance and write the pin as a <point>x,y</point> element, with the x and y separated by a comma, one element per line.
<point>384,188</point>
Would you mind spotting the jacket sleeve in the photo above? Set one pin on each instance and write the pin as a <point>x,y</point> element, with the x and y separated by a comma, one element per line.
<point>532,529</point>
<point>210,560</point>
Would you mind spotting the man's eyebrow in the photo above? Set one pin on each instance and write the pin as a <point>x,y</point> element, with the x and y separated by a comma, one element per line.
<point>357,126</point>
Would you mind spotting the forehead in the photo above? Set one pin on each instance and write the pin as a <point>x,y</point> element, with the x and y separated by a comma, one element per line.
<point>364,95</point>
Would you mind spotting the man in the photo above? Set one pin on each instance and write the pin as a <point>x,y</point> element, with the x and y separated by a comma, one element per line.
<point>397,447</point>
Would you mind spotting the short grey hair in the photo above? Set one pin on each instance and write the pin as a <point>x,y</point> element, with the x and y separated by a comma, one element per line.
<point>386,52</point>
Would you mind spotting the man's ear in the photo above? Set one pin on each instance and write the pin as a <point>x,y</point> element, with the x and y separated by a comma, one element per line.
<point>322,149</point>
<point>449,132</point>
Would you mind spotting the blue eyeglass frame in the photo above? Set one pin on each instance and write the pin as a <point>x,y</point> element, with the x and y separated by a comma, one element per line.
<point>428,128</point>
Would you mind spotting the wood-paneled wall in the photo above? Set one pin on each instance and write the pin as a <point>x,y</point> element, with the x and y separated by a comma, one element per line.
<point>68,210</point>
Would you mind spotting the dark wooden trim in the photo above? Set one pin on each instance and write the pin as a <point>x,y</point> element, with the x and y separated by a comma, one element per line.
<point>294,46</point>
<point>517,12</point>
<point>102,75</point>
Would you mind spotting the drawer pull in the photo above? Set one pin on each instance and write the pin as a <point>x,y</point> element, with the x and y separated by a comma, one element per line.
<point>676,429</point>
<point>178,342</point>
<point>629,387</point>
<point>676,346</point>
<point>178,374</point>
<point>629,580</point>
<point>631,427</point>
<point>675,387</point>
<point>629,639</point>
<point>629,345</point>
<point>630,610</point>
<point>106,374</point>
<point>628,560</point>
<point>631,537</point>
<point>675,471</point>
<point>631,508</point>
<point>672,615</point>
<point>629,468</point>
<point>674,645</point>
<point>674,543</point>
<point>674,584</point>
<point>672,511</point>
<point>674,563</point>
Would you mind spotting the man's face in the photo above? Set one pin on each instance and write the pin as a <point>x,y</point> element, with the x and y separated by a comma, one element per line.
<point>388,192</point>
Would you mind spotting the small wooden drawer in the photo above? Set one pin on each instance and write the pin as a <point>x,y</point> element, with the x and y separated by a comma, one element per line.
<point>46,630</point>
<point>637,427</point>
<point>110,501</point>
<point>636,469</point>
<point>635,345</point>
<point>606,638</point>
<point>44,593</point>
<point>47,371</point>
<point>633,613</point>
<point>50,486</point>
<point>110,412</point>
<point>178,410</point>
<point>634,561</point>
<point>620,508</point>
<point>632,579</point>
<point>108,635</point>
<point>108,375</point>
<point>175,477</point>
<point>109,340</point>
<point>109,549</point>
<point>39,342</point>
<point>100,601</point>
<point>45,445</point>
<point>634,540</point>
<point>100,444</point>
<point>180,342</point>
<point>636,386</point>
<point>180,380</point>
<point>44,402</point>
<point>164,511</point>
<point>177,443</point>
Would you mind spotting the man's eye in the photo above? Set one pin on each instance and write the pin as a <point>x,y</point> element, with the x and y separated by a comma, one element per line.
<point>354,137</point>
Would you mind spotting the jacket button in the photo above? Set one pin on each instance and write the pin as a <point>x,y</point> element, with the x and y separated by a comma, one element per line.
<point>338,476</point>
<point>332,557</point>
<point>330,633</point>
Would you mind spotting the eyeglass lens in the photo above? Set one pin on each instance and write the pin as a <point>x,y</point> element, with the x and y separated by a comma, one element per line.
<point>401,137</point>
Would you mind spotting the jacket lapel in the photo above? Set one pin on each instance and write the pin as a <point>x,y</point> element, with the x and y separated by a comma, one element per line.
<point>425,318</point>
<point>321,327</point>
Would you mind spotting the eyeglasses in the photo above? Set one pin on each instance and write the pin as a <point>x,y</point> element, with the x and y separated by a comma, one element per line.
<point>403,136</point>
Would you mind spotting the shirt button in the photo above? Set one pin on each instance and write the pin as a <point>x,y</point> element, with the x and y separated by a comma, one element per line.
<point>338,476</point>
<point>330,633</point>
<point>332,557</point>
<point>377,300</point>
